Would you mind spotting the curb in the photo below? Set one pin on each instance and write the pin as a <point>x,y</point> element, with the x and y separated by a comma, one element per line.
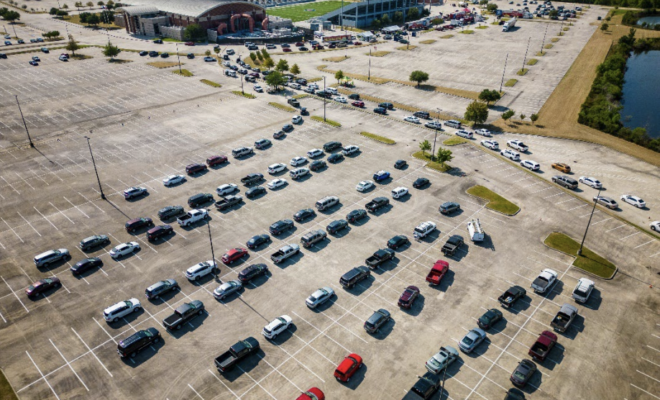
<point>575,258</point>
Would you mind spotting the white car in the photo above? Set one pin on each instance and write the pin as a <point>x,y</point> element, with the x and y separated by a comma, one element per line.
<point>226,189</point>
<point>277,326</point>
<point>295,161</point>
<point>276,168</point>
<point>340,99</point>
<point>593,182</point>
<point>258,89</point>
<point>198,271</point>
<point>352,149</point>
<point>412,119</point>
<point>483,132</point>
<point>121,309</point>
<point>510,154</point>
<point>546,280</point>
<point>531,165</point>
<point>655,226</point>
<point>490,144</point>
<point>297,119</point>
<point>583,290</point>
<point>124,249</point>
<point>399,192</point>
<point>464,134</point>
<point>313,86</point>
<point>294,85</point>
<point>174,180</point>
<point>424,229</point>
<point>364,186</point>
<point>633,200</point>
<point>319,297</point>
<point>517,145</point>
<point>331,90</point>
<point>276,183</point>
<point>313,153</point>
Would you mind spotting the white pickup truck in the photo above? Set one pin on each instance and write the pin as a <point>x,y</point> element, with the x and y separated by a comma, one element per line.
<point>192,217</point>
<point>285,252</point>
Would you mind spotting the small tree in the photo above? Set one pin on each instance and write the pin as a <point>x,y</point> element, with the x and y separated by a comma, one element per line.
<point>483,2</point>
<point>604,27</point>
<point>260,56</point>
<point>275,79</point>
<point>339,75</point>
<point>295,69</point>
<point>508,114</point>
<point>53,11</point>
<point>111,51</point>
<point>489,95</point>
<point>443,156</point>
<point>107,16</point>
<point>398,16</point>
<point>193,32</point>
<point>269,63</point>
<point>413,13</point>
<point>90,4</point>
<point>477,112</point>
<point>491,7</point>
<point>65,6</point>
<point>265,53</point>
<point>253,57</point>
<point>419,77</point>
<point>424,147</point>
<point>553,13</point>
<point>100,3</point>
<point>522,117</point>
<point>376,24</point>
<point>216,50</point>
<point>93,20</point>
<point>72,45</point>
<point>12,16</point>
<point>282,65</point>
<point>62,13</point>
<point>646,4</point>
<point>534,118</point>
<point>83,16</point>
<point>207,53</point>
<point>385,20</point>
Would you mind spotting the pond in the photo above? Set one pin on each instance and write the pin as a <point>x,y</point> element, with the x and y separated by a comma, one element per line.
<point>653,20</point>
<point>641,93</point>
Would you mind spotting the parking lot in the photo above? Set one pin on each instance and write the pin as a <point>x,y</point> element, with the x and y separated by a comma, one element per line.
<point>150,125</point>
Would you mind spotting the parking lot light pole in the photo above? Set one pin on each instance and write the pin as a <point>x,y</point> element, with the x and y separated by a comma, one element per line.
<point>324,98</point>
<point>242,91</point>
<point>369,74</point>
<point>579,252</point>
<point>208,224</point>
<point>24,124</point>
<point>178,57</point>
<point>436,133</point>
<point>95,170</point>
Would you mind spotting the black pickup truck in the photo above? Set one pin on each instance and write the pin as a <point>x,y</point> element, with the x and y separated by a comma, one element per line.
<point>379,258</point>
<point>228,202</point>
<point>252,179</point>
<point>184,313</point>
<point>227,360</point>
<point>510,296</point>
<point>377,203</point>
<point>425,387</point>
<point>452,244</point>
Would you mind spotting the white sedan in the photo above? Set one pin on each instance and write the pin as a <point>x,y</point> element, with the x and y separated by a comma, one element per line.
<point>633,200</point>
<point>340,99</point>
<point>364,186</point>
<point>655,226</point>
<point>276,168</point>
<point>277,326</point>
<point>531,165</point>
<point>258,89</point>
<point>593,182</point>
<point>412,119</point>
<point>276,183</point>
<point>313,153</point>
<point>399,192</point>
<point>124,249</point>
<point>174,180</point>
<point>490,144</point>
<point>483,132</point>
<point>295,161</point>
<point>352,149</point>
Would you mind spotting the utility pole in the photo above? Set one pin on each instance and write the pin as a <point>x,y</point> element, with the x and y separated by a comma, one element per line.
<point>436,133</point>
<point>503,71</point>
<point>545,33</point>
<point>24,124</point>
<point>324,98</point>
<point>95,170</point>
<point>525,58</point>
<point>215,264</point>
<point>369,75</point>
<point>178,57</point>
<point>579,253</point>
<point>242,91</point>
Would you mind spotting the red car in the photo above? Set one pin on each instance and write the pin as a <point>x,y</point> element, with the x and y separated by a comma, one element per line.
<point>233,255</point>
<point>286,50</point>
<point>312,394</point>
<point>357,43</point>
<point>437,272</point>
<point>159,231</point>
<point>408,296</point>
<point>41,286</point>
<point>300,44</point>
<point>190,43</point>
<point>216,160</point>
<point>358,104</point>
<point>347,368</point>
<point>192,169</point>
<point>318,47</point>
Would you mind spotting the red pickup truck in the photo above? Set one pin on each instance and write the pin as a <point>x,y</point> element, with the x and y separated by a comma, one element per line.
<point>437,272</point>
<point>543,345</point>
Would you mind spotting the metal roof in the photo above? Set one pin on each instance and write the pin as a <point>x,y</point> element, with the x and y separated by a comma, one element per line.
<point>191,8</point>
<point>140,10</point>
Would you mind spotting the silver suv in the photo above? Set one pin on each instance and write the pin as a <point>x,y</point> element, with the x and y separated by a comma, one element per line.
<point>51,256</point>
<point>565,181</point>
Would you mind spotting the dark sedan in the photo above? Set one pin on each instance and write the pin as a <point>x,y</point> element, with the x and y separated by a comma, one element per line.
<point>336,226</point>
<point>252,272</point>
<point>335,158</point>
<point>397,241</point>
<point>523,373</point>
<point>86,265</point>
<point>420,183</point>
<point>317,165</point>
<point>287,128</point>
<point>257,241</point>
<point>356,215</point>
<point>449,207</point>
<point>255,191</point>
<point>489,318</point>
<point>281,226</point>
<point>170,212</point>
<point>159,232</point>
<point>42,286</point>
<point>304,214</point>
<point>400,164</point>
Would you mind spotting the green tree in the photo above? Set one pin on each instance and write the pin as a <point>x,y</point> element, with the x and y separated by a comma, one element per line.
<point>522,117</point>
<point>491,7</point>
<point>424,147</point>
<point>269,63</point>
<point>216,50</point>
<point>275,79</point>
<point>534,118</point>
<point>339,75</point>
<point>253,57</point>
<point>489,96</point>
<point>443,156</point>
<point>477,112</point>
<point>111,51</point>
<point>12,16</point>
<point>385,20</point>
<point>72,45</point>
<point>398,16</point>
<point>62,13</point>
<point>53,11</point>
<point>645,4</point>
<point>207,53</point>
<point>295,69</point>
<point>107,17</point>
<point>100,3</point>
<point>483,2</point>
<point>93,20</point>
<point>553,13</point>
<point>419,77</point>
<point>604,27</point>
<point>90,4</point>
<point>260,56</point>
<point>508,114</point>
<point>282,65</point>
<point>65,6</point>
<point>83,16</point>
<point>265,53</point>
<point>413,13</point>
<point>193,32</point>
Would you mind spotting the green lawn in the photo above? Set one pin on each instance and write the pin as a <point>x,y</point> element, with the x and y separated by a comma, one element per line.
<point>454,140</point>
<point>431,164</point>
<point>211,83</point>
<point>282,107</point>
<point>246,95</point>
<point>6,392</point>
<point>378,138</point>
<point>495,201</point>
<point>302,12</point>
<point>588,261</point>
<point>327,121</point>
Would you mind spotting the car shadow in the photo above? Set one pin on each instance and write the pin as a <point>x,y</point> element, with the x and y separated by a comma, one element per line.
<point>454,214</point>
<point>290,261</point>
<point>332,209</point>
<point>197,174</point>
<point>318,246</point>
<point>384,181</point>
<point>307,219</point>
<point>245,366</point>
<point>555,291</point>
<point>231,297</point>
<point>576,327</point>
<point>362,221</point>
<point>403,199</point>
<point>256,282</point>
<point>284,336</point>
<point>217,167</point>
<point>594,301</point>
<point>163,298</point>
<point>360,287</point>
<point>44,295</point>
<point>286,233</point>
<point>88,273</point>
<point>383,210</point>
<point>139,231</point>
<point>186,327</point>
<point>280,173</point>
<point>384,330</point>
<point>227,210</point>
<point>203,280</point>
<point>499,327</point>
<point>479,351</point>
<point>257,197</point>
<point>487,243</point>
<point>162,239</point>
<point>302,179</point>
<point>145,354</point>
<point>534,383</point>
<point>357,378</point>
<point>417,306</point>
<point>431,237</point>
<point>135,199</point>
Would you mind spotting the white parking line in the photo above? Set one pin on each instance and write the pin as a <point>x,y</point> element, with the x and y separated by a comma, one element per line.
<point>193,389</point>
<point>648,376</point>
<point>17,298</point>
<point>61,213</point>
<point>12,229</point>
<point>257,383</point>
<point>643,244</point>
<point>42,375</point>
<point>28,222</point>
<point>223,384</point>
<point>77,208</point>
<point>91,351</point>
<point>620,226</point>
<point>321,333</point>
<point>639,388</point>
<point>632,234</point>
<point>46,218</point>
<point>69,364</point>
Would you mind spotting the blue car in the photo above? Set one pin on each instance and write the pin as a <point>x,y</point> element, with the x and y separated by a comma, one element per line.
<point>381,176</point>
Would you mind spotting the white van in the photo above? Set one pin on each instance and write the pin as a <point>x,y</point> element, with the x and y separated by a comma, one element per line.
<point>298,173</point>
<point>475,231</point>
<point>230,72</point>
<point>453,124</point>
<point>327,202</point>
<point>331,90</point>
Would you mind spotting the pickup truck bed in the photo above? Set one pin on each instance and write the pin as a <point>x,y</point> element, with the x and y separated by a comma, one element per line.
<point>379,257</point>
<point>227,360</point>
<point>542,346</point>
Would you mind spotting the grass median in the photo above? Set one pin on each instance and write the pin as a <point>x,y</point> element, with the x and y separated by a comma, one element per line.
<point>378,138</point>
<point>6,392</point>
<point>511,82</point>
<point>327,121</point>
<point>183,72</point>
<point>454,140</point>
<point>210,83</point>
<point>282,107</point>
<point>430,163</point>
<point>246,95</point>
<point>163,64</point>
<point>495,201</point>
<point>588,261</point>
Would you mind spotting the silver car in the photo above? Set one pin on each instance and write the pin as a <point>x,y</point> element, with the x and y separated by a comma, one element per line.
<point>226,289</point>
<point>319,297</point>
<point>442,359</point>
<point>472,340</point>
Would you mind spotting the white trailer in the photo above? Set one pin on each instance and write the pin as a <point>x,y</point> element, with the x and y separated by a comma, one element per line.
<point>508,25</point>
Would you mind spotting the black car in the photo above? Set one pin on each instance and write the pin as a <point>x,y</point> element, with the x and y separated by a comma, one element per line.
<point>144,53</point>
<point>422,114</point>
<point>354,276</point>
<point>93,242</point>
<point>287,128</point>
<point>281,226</point>
<point>335,158</point>
<point>523,373</point>
<point>170,212</point>
<point>304,214</point>
<point>159,232</point>
<point>252,272</point>
<point>514,394</point>
<point>257,241</point>
<point>397,241</point>
<point>420,183</point>
<point>130,346</point>
<point>86,264</point>
<point>400,164</point>
<point>354,96</point>
<point>331,146</point>
<point>317,165</point>
<point>200,199</point>
<point>356,215</point>
<point>489,318</point>
<point>153,54</point>
<point>255,191</point>
<point>388,106</point>
<point>380,110</point>
<point>377,319</point>
<point>190,56</point>
<point>336,226</point>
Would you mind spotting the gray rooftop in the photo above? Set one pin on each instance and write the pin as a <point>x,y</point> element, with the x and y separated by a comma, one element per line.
<point>192,8</point>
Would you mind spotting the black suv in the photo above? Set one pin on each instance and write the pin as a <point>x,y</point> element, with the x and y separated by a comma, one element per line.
<point>331,146</point>
<point>352,277</point>
<point>304,214</point>
<point>138,223</point>
<point>356,215</point>
<point>335,158</point>
<point>130,346</point>
<point>422,114</point>
<point>86,264</point>
<point>252,272</point>
<point>255,191</point>
<point>159,288</point>
<point>170,212</point>
<point>336,226</point>
<point>420,182</point>
<point>377,319</point>
<point>93,242</point>
<point>317,165</point>
<point>200,199</point>
<point>281,226</point>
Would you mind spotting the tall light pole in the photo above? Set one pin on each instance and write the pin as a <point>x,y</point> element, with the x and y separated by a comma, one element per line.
<point>369,74</point>
<point>24,124</point>
<point>436,133</point>
<point>525,58</point>
<point>504,71</point>
<point>242,91</point>
<point>324,98</point>
<point>545,33</point>
<point>95,170</point>
<point>178,57</point>
<point>216,269</point>
<point>579,252</point>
